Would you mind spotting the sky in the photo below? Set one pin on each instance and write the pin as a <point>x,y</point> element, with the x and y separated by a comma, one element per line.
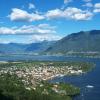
<point>29,21</point>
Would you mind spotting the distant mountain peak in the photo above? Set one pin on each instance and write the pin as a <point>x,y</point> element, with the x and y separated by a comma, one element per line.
<point>82,41</point>
<point>9,48</point>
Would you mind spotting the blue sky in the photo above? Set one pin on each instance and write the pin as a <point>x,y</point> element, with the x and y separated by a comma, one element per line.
<point>27,21</point>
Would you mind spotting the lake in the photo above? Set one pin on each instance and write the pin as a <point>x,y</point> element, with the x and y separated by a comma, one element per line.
<point>89,83</point>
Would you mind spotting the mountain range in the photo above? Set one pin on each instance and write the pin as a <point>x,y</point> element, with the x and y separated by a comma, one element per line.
<point>83,41</point>
<point>18,48</point>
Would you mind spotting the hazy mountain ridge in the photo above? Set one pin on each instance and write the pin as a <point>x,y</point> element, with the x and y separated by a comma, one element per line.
<point>88,41</point>
<point>78,42</point>
<point>24,48</point>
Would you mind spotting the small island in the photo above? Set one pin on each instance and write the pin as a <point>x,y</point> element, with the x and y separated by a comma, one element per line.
<point>29,80</point>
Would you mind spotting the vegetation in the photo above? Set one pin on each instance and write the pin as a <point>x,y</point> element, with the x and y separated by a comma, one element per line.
<point>84,66</point>
<point>77,44</point>
<point>25,80</point>
<point>12,88</point>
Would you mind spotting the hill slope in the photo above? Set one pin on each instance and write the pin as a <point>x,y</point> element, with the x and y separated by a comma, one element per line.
<point>78,42</point>
<point>18,48</point>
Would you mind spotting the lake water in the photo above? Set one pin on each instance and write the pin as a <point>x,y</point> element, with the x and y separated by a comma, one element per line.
<point>89,83</point>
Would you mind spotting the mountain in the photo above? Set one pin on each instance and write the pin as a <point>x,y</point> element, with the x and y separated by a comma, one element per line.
<point>39,47</point>
<point>12,48</point>
<point>24,48</point>
<point>88,41</point>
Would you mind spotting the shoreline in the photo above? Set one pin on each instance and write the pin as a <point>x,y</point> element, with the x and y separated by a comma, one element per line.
<point>33,73</point>
<point>56,55</point>
<point>41,70</point>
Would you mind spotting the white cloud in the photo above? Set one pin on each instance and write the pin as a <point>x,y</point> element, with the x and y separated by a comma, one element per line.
<point>87,0</point>
<point>56,13</point>
<point>6,30</point>
<point>47,26</point>
<point>96,8</point>
<point>67,1</point>
<point>31,29</point>
<point>70,13</point>
<point>21,15</point>
<point>77,14</point>
<point>31,6</point>
<point>88,4</point>
<point>49,37</point>
<point>37,33</point>
<point>97,5</point>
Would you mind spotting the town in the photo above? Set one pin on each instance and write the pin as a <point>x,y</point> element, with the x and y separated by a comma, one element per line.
<point>35,72</point>
<point>32,77</point>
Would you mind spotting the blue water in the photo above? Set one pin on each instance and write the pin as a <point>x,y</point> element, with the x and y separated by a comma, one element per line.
<point>91,78</point>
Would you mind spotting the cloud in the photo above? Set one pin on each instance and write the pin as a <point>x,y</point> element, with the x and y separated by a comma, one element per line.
<point>87,0</point>
<point>21,15</point>
<point>47,26</point>
<point>6,30</point>
<point>97,5</point>
<point>49,37</point>
<point>70,13</point>
<point>67,1</point>
<point>31,6</point>
<point>77,14</point>
<point>96,8</point>
<point>30,29</point>
<point>36,33</point>
<point>56,13</point>
<point>88,4</point>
